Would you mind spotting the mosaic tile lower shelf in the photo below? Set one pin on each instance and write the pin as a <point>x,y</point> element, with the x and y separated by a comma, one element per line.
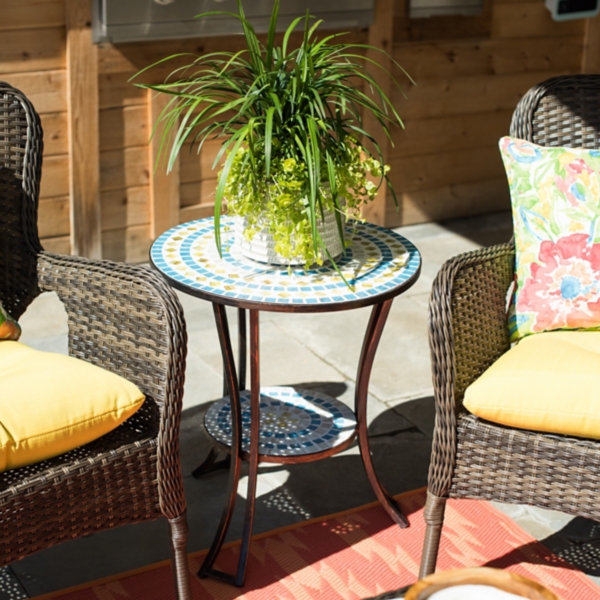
<point>293,422</point>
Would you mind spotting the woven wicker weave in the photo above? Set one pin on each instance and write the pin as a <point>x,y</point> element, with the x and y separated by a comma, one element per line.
<point>121,317</point>
<point>468,332</point>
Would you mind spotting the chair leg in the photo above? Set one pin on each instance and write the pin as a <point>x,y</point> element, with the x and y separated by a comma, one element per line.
<point>178,529</point>
<point>434,518</point>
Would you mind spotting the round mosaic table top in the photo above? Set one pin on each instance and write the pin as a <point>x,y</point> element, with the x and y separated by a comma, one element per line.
<point>378,265</point>
<point>292,422</point>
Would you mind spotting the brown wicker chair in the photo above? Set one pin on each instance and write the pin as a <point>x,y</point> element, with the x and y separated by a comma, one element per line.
<point>472,458</point>
<point>121,317</point>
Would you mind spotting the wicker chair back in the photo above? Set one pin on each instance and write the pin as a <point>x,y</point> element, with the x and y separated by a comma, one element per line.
<point>20,169</point>
<point>562,111</point>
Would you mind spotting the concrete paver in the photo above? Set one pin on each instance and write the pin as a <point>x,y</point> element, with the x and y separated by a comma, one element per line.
<point>316,351</point>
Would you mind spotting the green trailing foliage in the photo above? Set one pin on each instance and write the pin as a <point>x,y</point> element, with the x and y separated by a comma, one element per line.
<point>285,212</point>
<point>291,125</point>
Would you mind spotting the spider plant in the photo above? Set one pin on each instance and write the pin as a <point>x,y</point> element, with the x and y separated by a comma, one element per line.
<point>283,112</point>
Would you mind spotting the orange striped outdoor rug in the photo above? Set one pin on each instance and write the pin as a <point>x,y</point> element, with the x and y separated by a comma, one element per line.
<point>354,555</point>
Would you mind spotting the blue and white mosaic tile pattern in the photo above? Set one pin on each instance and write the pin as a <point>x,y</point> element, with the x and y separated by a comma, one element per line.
<point>292,422</point>
<point>377,261</point>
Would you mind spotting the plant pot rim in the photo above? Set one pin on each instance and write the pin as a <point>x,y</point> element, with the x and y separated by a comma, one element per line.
<point>261,247</point>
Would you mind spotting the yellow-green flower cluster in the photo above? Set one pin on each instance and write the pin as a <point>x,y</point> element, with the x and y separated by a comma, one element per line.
<point>281,203</point>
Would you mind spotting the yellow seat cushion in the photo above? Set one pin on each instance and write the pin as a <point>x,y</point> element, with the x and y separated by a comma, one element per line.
<point>547,382</point>
<point>51,403</point>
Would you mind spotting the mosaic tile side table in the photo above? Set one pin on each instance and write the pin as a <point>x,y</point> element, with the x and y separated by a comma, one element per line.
<point>284,425</point>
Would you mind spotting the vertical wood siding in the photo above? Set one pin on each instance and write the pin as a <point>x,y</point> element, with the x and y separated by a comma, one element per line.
<point>444,164</point>
<point>33,59</point>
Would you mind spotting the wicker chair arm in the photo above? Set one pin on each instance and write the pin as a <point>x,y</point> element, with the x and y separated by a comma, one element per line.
<point>126,319</point>
<point>467,333</point>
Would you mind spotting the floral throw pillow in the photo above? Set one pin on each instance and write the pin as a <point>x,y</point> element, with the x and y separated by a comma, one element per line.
<point>555,195</point>
<point>9,328</point>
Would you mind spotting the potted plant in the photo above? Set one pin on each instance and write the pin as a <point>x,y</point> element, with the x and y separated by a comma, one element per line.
<point>291,124</point>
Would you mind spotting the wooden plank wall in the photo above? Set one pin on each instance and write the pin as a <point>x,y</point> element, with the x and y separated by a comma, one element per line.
<point>33,59</point>
<point>444,164</point>
<point>84,137</point>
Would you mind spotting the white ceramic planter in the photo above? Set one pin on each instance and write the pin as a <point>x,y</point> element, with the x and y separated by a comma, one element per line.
<point>261,246</point>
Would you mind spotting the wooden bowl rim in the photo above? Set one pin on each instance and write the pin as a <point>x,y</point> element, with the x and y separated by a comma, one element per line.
<point>503,580</point>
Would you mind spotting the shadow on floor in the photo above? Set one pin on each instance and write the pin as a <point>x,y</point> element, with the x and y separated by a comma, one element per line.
<point>576,546</point>
<point>400,445</point>
<point>485,230</point>
<point>579,544</point>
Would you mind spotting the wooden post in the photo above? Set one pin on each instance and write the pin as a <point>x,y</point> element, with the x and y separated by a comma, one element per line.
<point>84,142</point>
<point>380,36</point>
<point>591,47</point>
<point>164,188</point>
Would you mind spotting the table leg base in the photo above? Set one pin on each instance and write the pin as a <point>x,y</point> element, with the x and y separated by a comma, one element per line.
<point>211,464</point>
<point>220,576</point>
<point>397,515</point>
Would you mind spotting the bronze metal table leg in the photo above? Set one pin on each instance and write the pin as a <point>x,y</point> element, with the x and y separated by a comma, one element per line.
<point>375,327</point>
<point>242,348</point>
<point>210,463</point>
<point>236,448</point>
<point>253,450</point>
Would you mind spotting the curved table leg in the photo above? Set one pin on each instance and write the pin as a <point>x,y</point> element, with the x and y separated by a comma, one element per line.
<point>236,448</point>
<point>242,348</point>
<point>377,321</point>
<point>210,463</point>
<point>253,451</point>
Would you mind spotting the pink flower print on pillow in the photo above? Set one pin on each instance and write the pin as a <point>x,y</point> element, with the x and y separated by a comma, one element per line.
<point>570,184</point>
<point>563,287</point>
<point>555,195</point>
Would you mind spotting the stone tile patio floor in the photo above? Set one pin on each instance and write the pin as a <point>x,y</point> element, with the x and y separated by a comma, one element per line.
<point>316,351</point>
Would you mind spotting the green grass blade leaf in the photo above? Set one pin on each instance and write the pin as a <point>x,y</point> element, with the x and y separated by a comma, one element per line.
<point>288,33</point>
<point>239,139</point>
<point>268,139</point>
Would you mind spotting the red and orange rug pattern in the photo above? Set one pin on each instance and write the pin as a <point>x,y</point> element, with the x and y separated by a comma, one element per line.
<point>355,555</point>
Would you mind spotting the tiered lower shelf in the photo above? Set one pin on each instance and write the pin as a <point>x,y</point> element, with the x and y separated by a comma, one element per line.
<point>293,423</point>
